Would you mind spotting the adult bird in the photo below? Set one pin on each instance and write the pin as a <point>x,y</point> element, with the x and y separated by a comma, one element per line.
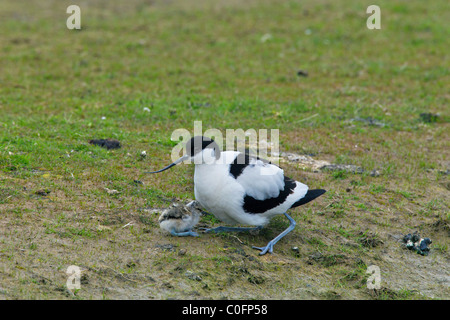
<point>239,189</point>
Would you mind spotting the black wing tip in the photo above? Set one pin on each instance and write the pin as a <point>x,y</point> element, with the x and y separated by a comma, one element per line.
<point>319,192</point>
<point>309,196</point>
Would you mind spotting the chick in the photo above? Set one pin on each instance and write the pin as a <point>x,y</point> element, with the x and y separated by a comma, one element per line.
<point>179,219</point>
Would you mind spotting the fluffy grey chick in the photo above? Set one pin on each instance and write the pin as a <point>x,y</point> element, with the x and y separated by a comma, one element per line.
<point>179,219</point>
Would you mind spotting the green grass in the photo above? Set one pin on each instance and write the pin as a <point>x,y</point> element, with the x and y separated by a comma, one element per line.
<point>230,65</point>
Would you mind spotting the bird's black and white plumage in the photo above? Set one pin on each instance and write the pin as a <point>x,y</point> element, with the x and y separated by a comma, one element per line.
<point>240,189</point>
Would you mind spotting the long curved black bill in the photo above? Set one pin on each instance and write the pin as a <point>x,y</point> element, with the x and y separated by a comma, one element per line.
<point>185,157</point>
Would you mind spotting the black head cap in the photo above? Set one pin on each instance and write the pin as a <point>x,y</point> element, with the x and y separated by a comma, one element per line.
<point>199,143</point>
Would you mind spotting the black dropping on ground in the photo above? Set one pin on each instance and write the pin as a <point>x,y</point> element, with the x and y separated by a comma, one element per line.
<point>429,117</point>
<point>415,242</point>
<point>106,143</point>
<point>43,192</point>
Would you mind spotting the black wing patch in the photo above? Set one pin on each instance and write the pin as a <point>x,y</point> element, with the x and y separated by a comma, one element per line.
<point>309,196</point>
<point>241,162</point>
<point>252,205</point>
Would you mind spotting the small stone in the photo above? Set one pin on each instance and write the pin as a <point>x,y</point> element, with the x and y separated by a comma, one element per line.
<point>131,264</point>
<point>111,191</point>
<point>166,247</point>
<point>374,173</point>
<point>266,37</point>
<point>103,228</point>
<point>43,192</point>
<point>343,167</point>
<point>302,73</point>
<point>193,276</point>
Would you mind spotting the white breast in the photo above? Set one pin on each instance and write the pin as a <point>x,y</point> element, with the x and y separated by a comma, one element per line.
<point>221,194</point>
<point>217,191</point>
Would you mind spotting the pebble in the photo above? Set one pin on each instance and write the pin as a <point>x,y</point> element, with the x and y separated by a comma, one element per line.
<point>193,276</point>
<point>374,173</point>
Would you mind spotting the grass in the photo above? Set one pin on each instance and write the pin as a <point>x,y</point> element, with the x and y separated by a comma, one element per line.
<point>230,65</point>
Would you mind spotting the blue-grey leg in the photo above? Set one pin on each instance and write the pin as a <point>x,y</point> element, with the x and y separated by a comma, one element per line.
<point>230,229</point>
<point>184,233</point>
<point>269,247</point>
